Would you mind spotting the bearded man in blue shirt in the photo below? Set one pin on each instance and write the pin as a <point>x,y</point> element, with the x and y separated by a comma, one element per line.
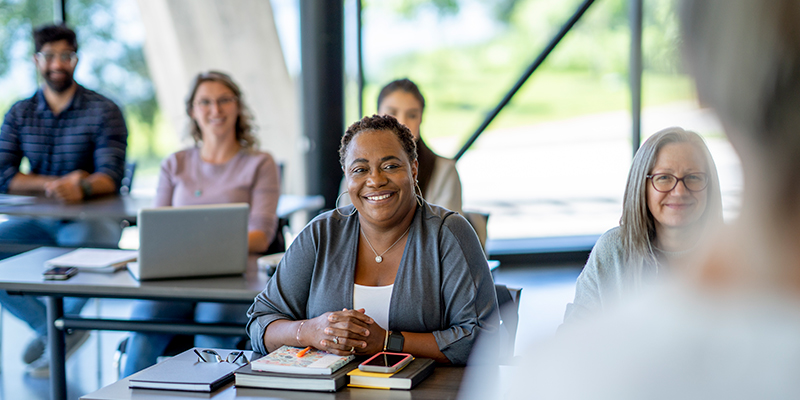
<point>74,140</point>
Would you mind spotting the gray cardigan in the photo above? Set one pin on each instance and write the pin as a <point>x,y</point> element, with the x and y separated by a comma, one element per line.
<point>605,279</point>
<point>443,284</point>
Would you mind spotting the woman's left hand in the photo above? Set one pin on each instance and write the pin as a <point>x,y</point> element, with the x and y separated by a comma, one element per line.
<point>349,337</point>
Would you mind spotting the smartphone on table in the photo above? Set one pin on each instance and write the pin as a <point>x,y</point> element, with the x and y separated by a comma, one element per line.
<point>386,362</point>
<point>59,273</point>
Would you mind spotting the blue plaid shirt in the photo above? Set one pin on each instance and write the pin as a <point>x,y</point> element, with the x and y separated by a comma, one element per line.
<point>89,134</point>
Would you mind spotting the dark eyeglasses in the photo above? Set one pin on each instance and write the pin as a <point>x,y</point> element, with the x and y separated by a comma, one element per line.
<point>47,58</point>
<point>211,356</point>
<point>664,183</point>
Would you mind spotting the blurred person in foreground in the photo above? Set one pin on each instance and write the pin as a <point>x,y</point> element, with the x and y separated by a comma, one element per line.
<point>728,326</point>
<point>391,272</point>
<point>74,140</point>
<point>224,166</point>
<point>672,202</point>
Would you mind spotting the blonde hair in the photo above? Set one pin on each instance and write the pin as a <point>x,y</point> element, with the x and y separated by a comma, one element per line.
<point>637,226</point>
<point>245,127</point>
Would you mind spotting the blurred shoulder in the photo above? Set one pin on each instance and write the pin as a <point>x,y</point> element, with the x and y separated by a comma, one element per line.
<point>179,158</point>
<point>259,159</point>
<point>330,227</point>
<point>24,106</point>
<point>333,219</point>
<point>608,253</point>
<point>183,155</point>
<point>612,238</point>
<point>97,100</point>
<point>260,155</point>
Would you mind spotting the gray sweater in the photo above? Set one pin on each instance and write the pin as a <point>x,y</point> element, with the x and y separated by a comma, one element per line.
<point>605,278</point>
<point>443,284</point>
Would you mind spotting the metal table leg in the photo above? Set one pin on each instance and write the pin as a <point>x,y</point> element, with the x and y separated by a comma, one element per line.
<point>58,370</point>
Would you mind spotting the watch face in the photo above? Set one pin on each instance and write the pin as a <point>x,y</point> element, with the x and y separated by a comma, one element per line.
<point>395,342</point>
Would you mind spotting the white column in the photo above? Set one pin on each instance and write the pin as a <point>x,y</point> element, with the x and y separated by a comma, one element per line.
<point>185,37</point>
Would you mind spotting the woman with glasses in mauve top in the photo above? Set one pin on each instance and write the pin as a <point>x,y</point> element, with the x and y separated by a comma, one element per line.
<point>672,201</point>
<point>223,167</point>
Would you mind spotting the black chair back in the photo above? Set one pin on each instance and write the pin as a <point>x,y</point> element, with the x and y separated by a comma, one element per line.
<point>508,303</point>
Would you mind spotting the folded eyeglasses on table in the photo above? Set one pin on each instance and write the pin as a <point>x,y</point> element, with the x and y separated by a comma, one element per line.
<point>211,356</point>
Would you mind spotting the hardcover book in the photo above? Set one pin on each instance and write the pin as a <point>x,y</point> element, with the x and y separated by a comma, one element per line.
<point>246,377</point>
<point>313,362</point>
<point>406,378</point>
<point>185,372</point>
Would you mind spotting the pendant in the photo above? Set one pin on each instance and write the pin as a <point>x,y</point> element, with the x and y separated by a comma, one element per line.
<point>378,259</point>
<point>198,193</point>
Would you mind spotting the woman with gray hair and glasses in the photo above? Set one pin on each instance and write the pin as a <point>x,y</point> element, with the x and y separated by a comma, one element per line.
<point>672,200</point>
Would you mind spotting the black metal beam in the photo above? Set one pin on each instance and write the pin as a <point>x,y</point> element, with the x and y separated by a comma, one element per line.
<point>359,47</point>
<point>536,63</point>
<point>219,329</point>
<point>55,338</point>
<point>322,63</point>
<point>635,73</point>
<point>60,11</point>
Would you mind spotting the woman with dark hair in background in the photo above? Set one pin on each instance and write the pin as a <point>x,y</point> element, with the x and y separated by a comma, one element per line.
<point>438,177</point>
<point>223,167</point>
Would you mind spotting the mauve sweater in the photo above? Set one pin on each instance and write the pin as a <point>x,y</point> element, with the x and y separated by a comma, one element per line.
<point>249,177</point>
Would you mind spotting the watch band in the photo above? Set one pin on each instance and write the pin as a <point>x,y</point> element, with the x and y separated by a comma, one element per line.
<point>86,188</point>
<point>395,342</point>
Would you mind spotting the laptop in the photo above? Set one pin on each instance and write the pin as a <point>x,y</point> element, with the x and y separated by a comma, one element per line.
<point>191,241</point>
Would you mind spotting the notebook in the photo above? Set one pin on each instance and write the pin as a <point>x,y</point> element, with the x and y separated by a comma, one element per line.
<point>94,260</point>
<point>186,373</point>
<point>190,241</point>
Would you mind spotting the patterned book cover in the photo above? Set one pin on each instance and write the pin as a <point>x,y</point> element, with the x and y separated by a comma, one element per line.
<point>314,362</point>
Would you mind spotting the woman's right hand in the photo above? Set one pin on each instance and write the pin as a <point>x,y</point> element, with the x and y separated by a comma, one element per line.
<point>338,332</point>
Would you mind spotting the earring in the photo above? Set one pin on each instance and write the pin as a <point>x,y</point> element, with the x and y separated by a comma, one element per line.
<point>337,207</point>
<point>416,183</point>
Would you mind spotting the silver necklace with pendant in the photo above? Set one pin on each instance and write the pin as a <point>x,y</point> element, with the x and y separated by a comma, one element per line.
<point>199,191</point>
<point>379,257</point>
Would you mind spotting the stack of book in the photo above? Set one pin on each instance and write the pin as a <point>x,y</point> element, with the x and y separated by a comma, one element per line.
<point>295,368</point>
<point>408,377</point>
<point>285,368</point>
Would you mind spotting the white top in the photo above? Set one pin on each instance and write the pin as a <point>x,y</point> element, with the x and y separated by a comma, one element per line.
<point>375,300</point>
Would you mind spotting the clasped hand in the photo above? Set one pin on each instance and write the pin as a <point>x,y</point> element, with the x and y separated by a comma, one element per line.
<point>67,188</point>
<point>344,332</point>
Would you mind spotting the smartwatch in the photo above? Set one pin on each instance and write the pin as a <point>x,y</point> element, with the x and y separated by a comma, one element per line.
<point>395,342</point>
<point>86,188</point>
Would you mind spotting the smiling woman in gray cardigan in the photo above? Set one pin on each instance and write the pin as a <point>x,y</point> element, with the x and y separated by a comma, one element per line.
<point>436,285</point>
<point>442,286</point>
